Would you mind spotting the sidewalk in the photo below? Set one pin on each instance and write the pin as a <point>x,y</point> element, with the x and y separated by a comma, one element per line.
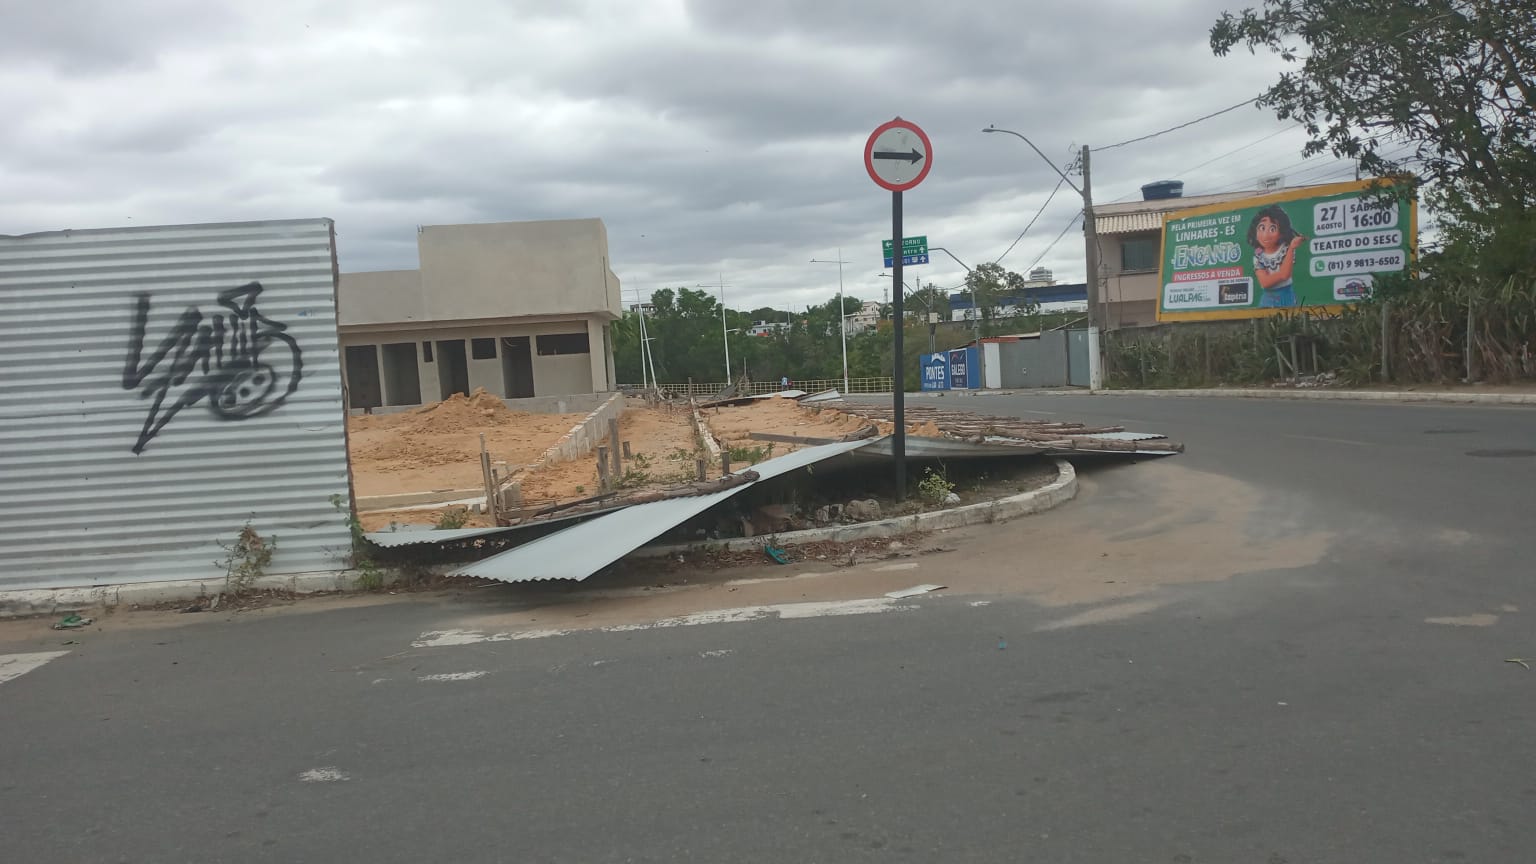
<point>1460,397</point>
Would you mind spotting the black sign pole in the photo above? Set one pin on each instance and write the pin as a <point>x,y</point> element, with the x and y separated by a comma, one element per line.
<point>899,361</point>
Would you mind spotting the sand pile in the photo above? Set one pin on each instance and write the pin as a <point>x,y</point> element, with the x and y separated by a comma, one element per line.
<point>437,446</point>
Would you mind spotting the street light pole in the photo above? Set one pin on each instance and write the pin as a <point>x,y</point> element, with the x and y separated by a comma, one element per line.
<point>842,311</point>
<point>725,334</point>
<point>1091,242</point>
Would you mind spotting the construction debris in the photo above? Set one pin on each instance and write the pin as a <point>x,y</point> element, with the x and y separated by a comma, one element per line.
<point>1046,436</point>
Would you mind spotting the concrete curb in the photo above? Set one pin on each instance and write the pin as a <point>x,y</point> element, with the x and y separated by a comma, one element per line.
<point>56,601</point>
<point>1348,395</point>
<point>1404,396</point>
<point>1060,491</point>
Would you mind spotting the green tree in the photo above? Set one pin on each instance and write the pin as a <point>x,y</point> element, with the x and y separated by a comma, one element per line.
<point>990,284</point>
<point>1431,91</point>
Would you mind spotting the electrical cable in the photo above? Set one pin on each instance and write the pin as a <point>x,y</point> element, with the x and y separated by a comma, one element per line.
<point>1031,221</point>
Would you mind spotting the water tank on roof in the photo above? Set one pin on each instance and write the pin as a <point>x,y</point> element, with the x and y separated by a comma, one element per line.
<point>1162,189</point>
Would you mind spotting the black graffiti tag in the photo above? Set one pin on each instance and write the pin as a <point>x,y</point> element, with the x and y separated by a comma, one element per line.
<point>241,360</point>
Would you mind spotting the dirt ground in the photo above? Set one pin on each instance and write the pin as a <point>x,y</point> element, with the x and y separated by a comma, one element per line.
<point>733,424</point>
<point>437,447</point>
<point>662,446</point>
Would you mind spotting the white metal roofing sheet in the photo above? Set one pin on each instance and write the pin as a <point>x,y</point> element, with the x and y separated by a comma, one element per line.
<point>581,550</point>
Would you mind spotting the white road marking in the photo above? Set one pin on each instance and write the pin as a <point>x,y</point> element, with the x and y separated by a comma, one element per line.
<point>1479,619</point>
<point>891,568</point>
<point>979,603</point>
<point>1327,440</point>
<point>913,591</point>
<point>454,676</point>
<point>323,775</point>
<point>17,665</point>
<point>718,652</point>
<point>758,581</point>
<point>784,611</point>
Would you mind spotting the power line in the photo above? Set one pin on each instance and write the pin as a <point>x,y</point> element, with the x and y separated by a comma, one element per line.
<point>1031,221</point>
<point>1339,63</point>
<point>1048,249</point>
<point>1237,150</point>
<point>1227,110</point>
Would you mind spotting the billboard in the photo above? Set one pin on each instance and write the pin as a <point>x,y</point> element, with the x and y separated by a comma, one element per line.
<point>962,362</point>
<point>1315,248</point>
<point>935,371</point>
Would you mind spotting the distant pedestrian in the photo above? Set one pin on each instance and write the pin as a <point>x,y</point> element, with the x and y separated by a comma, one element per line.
<point>784,382</point>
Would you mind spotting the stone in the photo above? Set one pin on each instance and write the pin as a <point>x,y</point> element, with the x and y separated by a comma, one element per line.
<point>951,498</point>
<point>822,515</point>
<point>867,510</point>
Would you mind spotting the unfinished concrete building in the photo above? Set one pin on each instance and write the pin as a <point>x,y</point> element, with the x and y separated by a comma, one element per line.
<point>522,309</point>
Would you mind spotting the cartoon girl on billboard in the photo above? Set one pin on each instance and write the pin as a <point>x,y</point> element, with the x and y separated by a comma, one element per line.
<point>1274,244</point>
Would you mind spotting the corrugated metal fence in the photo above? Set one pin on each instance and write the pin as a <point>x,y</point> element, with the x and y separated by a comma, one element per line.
<point>158,388</point>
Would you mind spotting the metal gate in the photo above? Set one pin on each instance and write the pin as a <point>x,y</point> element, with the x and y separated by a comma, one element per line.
<point>1077,358</point>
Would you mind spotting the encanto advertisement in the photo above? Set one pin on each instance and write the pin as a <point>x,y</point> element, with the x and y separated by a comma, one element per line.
<point>1318,248</point>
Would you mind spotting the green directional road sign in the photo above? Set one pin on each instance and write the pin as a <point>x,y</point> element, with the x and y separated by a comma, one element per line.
<point>914,250</point>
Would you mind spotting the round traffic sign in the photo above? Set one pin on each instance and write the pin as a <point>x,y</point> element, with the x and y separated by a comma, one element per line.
<point>898,155</point>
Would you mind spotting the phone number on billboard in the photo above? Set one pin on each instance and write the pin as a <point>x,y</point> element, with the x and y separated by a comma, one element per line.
<point>1337,265</point>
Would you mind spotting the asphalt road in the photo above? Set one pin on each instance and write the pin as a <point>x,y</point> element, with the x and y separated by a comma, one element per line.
<point>1352,706</point>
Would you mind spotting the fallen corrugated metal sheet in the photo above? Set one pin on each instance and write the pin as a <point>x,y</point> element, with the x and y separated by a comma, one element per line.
<point>823,396</point>
<point>419,536</point>
<point>162,387</point>
<point>1046,436</point>
<point>926,447</point>
<point>581,550</point>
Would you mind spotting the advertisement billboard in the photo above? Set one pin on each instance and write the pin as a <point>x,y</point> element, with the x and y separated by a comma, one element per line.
<point>935,371</point>
<point>961,363</point>
<point>1318,248</point>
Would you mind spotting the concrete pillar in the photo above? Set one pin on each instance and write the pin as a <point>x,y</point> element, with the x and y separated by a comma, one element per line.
<point>599,355</point>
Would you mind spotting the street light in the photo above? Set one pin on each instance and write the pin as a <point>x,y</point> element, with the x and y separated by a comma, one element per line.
<point>933,317</point>
<point>724,333</point>
<point>1095,367</point>
<point>842,311</point>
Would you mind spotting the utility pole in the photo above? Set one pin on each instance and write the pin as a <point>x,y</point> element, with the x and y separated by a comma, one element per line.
<point>1091,236</point>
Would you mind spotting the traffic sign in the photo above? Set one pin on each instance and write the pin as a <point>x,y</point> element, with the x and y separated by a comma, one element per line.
<point>898,155</point>
<point>914,250</point>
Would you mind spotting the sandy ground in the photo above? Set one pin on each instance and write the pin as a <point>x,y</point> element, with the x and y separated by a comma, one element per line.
<point>437,447</point>
<point>733,424</point>
<point>381,520</point>
<point>661,442</point>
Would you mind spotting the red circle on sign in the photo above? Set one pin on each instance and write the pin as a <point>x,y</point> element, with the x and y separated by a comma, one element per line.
<point>869,159</point>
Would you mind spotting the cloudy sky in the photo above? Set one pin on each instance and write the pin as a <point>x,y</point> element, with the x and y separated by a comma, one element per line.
<point>711,136</point>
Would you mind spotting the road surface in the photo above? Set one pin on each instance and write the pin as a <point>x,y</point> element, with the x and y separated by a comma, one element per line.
<point>1287,645</point>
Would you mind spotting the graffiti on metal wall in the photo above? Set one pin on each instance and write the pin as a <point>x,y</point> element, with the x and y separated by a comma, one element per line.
<point>240,360</point>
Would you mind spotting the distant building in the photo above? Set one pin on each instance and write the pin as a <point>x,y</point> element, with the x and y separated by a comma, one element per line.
<point>867,318</point>
<point>518,308</point>
<point>767,328</point>
<point>1050,297</point>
